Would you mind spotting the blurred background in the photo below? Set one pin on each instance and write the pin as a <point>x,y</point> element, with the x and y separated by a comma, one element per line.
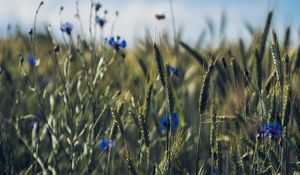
<point>193,17</point>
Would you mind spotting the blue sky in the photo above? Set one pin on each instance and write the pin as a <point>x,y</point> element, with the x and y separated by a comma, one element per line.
<point>137,15</point>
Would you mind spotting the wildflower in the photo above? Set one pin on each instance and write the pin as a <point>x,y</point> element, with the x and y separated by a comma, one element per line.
<point>172,71</point>
<point>171,118</point>
<point>272,129</point>
<point>32,60</point>
<point>100,21</point>
<point>105,144</point>
<point>67,28</point>
<point>117,43</point>
<point>97,6</point>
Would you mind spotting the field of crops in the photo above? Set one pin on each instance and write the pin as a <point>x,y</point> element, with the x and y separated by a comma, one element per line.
<point>165,106</point>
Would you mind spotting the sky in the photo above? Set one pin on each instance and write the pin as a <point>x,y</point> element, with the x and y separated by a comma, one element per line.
<point>135,16</point>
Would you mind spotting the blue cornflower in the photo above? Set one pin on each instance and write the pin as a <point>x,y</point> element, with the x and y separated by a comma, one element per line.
<point>67,28</point>
<point>166,123</point>
<point>32,60</point>
<point>272,129</point>
<point>100,21</point>
<point>117,43</point>
<point>172,71</point>
<point>105,144</point>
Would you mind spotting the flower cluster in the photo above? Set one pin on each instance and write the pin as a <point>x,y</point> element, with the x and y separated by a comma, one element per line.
<point>116,43</point>
<point>172,120</point>
<point>66,28</point>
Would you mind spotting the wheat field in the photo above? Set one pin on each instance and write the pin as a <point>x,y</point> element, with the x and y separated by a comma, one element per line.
<point>95,106</point>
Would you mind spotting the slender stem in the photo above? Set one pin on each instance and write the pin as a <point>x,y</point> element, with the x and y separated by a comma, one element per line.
<point>108,159</point>
<point>90,22</point>
<point>286,155</point>
<point>259,94</point>
<point>168,129</point>
<point>34,26</point>
<point>254,156</point>
<point>198,145</point>
<point>173,21</point>
<point>63,80</point>
<point>79,19</point>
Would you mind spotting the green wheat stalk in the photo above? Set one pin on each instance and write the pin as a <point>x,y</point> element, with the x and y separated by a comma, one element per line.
<point>204,94</point>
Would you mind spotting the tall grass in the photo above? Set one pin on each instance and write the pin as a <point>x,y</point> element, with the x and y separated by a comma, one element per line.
<point>90,106</point>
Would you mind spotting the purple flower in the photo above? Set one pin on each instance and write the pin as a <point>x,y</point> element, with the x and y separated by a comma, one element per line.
<point>272,129</point>
<point>165,122</point>
<point>67,28</point>
<point>100,21</point>
<point>116,43</point>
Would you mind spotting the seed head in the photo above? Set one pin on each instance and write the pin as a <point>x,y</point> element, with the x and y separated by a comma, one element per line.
<point>30,31</point>
<point>98,6</point>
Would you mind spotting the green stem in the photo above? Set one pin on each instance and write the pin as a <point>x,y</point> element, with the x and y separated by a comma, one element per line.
<point>198,144</point>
